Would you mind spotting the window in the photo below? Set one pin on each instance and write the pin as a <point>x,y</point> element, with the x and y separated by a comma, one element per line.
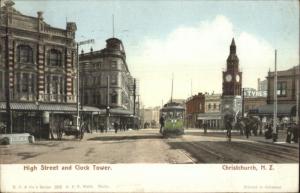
<point>25,82</point>
<point>94,98</point>
<point>24,54</point>
<point>113,80</point>
<point>95,80</point>
<point>33,82</point>
<point>1,81</point>
<point>54,58</point>
<point>48,84</point>
<point>114,97</point>
<point>113,64</point>
<point>86,98</point>
<point>54,85</point>
<point>209,106</point>
<point>281,88</point>
<point>215,106</point>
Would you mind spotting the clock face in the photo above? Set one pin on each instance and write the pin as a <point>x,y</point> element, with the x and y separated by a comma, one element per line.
<point>237,78</point>
<point>228,77</point>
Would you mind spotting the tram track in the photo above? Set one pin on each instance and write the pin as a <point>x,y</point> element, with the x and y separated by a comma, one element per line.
<point>259,149</point>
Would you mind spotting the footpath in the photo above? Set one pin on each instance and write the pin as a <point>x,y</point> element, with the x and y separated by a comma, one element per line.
<point>281,140</point>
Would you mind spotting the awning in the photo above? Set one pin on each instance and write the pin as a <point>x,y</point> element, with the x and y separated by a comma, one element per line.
<point>25,106</point>
<point>209,116</point>
<point>282,110</point>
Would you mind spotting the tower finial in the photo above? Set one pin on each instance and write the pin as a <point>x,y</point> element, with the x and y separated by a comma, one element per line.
<point>232,42</point>
<point>232,47</point>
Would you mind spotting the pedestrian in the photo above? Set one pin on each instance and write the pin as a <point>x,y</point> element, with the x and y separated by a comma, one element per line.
<point>116,127</point>
<point>289,134</point>
<point>295,130</point>
<point>205,128</point>
<point>162,123</point>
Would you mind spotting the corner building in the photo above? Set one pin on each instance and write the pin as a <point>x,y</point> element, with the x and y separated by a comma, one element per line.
<point>39,61</point>
<point>105,81</point>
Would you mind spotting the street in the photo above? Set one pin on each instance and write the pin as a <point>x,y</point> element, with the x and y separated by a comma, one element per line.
<point>147,146</point>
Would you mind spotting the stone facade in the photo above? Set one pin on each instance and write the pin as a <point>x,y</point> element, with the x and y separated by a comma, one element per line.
<point>286,86</point>
<point>41,58</point>
<point>97,68</point>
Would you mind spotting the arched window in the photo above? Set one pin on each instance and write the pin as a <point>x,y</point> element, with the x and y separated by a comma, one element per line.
<point>54,58</point>
<point>24,54</point>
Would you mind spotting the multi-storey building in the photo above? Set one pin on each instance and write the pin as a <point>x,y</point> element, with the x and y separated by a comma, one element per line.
<point>287,93</point>
<point>37,67</point>
<point>194,106</point>
<point>211,117</point>
<point>106,82</point>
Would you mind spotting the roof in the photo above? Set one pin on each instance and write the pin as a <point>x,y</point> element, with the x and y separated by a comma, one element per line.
<point>282,110</point>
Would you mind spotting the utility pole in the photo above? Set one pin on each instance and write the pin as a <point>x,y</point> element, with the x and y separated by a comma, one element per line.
<point>134,95</point>
<point>274,133</point>
<point>297,97</point>
<point>107,104</point>
<point>243,102</point>
<point>172,88</point>
<point>78,82</point>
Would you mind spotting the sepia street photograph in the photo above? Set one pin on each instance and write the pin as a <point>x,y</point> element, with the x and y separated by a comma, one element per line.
<point>172,82</point>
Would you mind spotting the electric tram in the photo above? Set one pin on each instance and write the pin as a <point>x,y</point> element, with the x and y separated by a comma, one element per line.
<point>173,114</point>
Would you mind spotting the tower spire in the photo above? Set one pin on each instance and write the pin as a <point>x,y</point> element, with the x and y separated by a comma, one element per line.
<point>232,47</point>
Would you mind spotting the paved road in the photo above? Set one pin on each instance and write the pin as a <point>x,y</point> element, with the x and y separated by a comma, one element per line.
<point>147,146</point>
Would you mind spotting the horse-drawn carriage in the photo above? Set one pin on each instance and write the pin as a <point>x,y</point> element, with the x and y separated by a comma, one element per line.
<point>67,127</point>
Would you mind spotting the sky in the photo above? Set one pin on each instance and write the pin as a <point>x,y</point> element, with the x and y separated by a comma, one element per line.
<point>186,39</point>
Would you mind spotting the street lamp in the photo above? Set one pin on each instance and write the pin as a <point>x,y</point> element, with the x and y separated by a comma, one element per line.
<point>77,107</point>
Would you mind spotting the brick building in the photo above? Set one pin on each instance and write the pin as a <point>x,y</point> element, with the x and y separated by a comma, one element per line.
<point>37,70</point>
<point>194,106</point>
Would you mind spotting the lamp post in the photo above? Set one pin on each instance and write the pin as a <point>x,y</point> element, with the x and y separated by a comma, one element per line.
<point>274,133</point>
<point>39,118</point>
<point>77,98</point>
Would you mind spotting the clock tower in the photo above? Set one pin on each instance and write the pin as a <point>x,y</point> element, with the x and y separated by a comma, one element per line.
<point>232,84</point>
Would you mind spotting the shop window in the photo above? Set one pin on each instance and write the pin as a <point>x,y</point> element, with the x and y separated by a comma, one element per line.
<point>54,58</point>
<point>24,54</point>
